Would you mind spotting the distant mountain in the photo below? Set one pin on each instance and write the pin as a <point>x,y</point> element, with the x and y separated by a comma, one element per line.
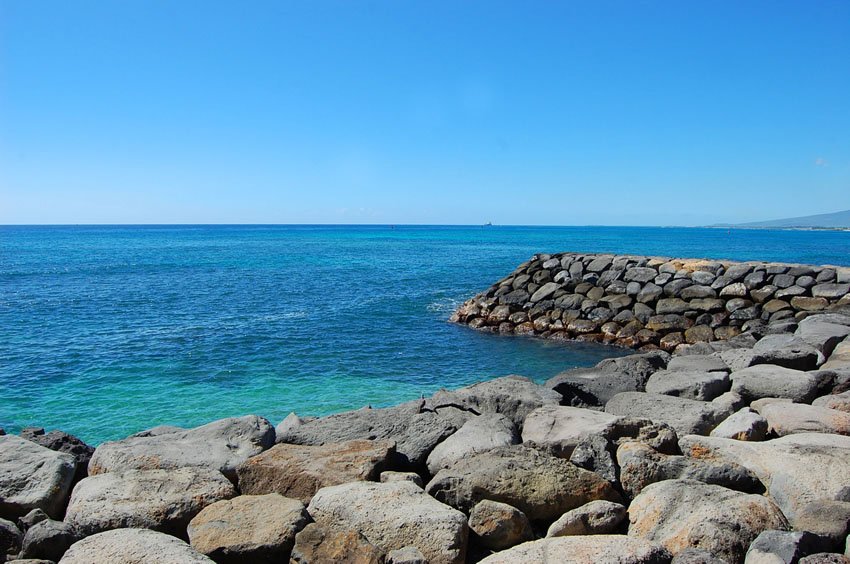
<point>836,220</point>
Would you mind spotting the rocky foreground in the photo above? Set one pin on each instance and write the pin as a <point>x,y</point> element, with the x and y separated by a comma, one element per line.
<point>734,450</point>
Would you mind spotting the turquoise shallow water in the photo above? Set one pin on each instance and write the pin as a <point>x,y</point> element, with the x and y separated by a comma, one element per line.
<point>105,331</point>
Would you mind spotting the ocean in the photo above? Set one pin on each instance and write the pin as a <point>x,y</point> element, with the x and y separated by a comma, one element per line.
<point>108,330</point>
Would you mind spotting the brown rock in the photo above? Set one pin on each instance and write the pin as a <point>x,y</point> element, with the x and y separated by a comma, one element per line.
<point>315,545</point>
<point>804,303</point>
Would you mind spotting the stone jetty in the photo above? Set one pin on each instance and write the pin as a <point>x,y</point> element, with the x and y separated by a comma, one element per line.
<point>727,442</point>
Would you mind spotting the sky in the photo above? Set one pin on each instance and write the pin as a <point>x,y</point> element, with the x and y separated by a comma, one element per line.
<point>438,112</point>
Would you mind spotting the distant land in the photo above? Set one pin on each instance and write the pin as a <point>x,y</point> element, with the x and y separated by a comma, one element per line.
<point>835,220</point>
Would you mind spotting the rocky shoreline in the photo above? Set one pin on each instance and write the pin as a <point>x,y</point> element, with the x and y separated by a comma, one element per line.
<point>735,448</point>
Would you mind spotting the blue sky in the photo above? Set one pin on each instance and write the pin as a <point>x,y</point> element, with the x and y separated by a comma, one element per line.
<point>555,113</point>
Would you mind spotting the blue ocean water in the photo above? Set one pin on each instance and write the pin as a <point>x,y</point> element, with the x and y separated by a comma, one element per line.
<point>107,330</point>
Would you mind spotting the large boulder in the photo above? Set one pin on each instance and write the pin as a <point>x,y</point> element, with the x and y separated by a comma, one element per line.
<point>539,485</point>
<point>498,526</point>
<point>415,428</point>
<point>594,518</point>
<point>133,546</point>
<point>299,471</point>
<point>595,549</point>
<point>796,470</point>
<point>164,500</point>
<point>681,514</point>
<point>33,477</point>
<point>840,402</point>
<point>641,465</point>
<point>392,516</point>
<point>821,334</point>
<point>559,429</point>
<point>479,434</point>
<point>62,442</point>
<point>594,387</point>
<point>221,445</point>
<point>684,415</point>
<point>248,528</point>
<point>789,351</point>
<point>314,545</point>
<point>702,386</point>
<point>512,396</point>
<point>769,381</point>
<point>789,418</point>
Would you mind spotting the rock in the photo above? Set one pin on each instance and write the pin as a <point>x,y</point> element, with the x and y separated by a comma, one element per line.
<point>286,426</point>
<point>392,516</point>
<point>830,291</point>
<point>595,549</point>
<point>31,518</point>
<point>840,357</point>
<point>415,429</point>
<point>829,520</point>
<point>681,514</point>
<point>789,418</point>
<point>559,429</point>
<point>785,465</point>
<point>703,386</point>
<point>594,387</point>
<point>786,350</point>
<point>640,274</point>
<point>133,546</point>
<point>735,290</point>
<point>544,292</point>
<point>221,445</point>
<point>697,292</point>
<point>840,402</point>
<point>255,528</point>
<point>299,471</point>
<point>164,500</point>
<point>594,518</point>
<point>412,477</point>
<point>822,335</point>
<point>10,538</point>
<point>477,435</point>
<point>696,556</point>
<point>48,540</point>
<point>684,415</point>
<point>781,547</point>
<point>825,558</point>
<point>499,525</point>
<point>33,477</point>
<point>649,293</point>
<point>406,555</point>
<point>768,381</point>
<point>805,303</point>
<point>539,485</point>
<point>743,425</point>
<point>697,363</point>
<point>315,545</point>
<point>596,453</point>
<point>63,442</point>
<point>640,466</point>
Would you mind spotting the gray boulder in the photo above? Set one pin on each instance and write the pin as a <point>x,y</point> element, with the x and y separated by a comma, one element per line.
<point>696,556</point>
<point>594,387</point>
<point>62,442</point>
<point>789,351</point>
<point>702,386</point>
<point>822,335</point>
<point>164,500</point>
<point>595,549</point>
<point>684,415</point>
<point>479,434</point>
<point>221,445</point>
<point>393,476</point>
<point>596,453</point>
<point>406,555</point>
<point>133,546</point>
<point>559,429</point>
<point>743,425</point>
<point>539,485</point>
<point>682,514</point>
<point>786,547</point>
<point>498,525</point>
<point>698,363</point>
<point>10,538</point>
<point>248,528</point>
<point>768,381</point>
<point>785,465</point>
<point>48,540</point>
<point>393,516</point>
<point>789,418</point>
<point>828,519</point>
<point>594,518</point>
<point>33,477</point>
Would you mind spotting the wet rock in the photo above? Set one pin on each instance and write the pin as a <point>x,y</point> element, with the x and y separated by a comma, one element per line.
<point>594,518</point>
<point>164,500</point>
<point>479,434</point>
<point>221,445</point>
<point>33,477</point>
<point>595,549</point>
<point>393,516</point>
<point>743,425</point>
<point>559,429</point>
<point>299,471</point>
<point>684,415</point>
<point>255,528</point>
<point>132,546</point>
<point>681,514</point>
<point>314,545</point>
<point>499,525</point>
<point>539,485</point>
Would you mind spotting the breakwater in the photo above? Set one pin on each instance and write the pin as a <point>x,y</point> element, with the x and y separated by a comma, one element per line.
<point>650,302</point>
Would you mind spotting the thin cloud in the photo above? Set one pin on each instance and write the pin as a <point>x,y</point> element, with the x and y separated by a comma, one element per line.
<point>820,161</point>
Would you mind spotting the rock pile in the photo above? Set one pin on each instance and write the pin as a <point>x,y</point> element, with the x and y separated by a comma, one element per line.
<point>729,451</point>
<point>651,302</point>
